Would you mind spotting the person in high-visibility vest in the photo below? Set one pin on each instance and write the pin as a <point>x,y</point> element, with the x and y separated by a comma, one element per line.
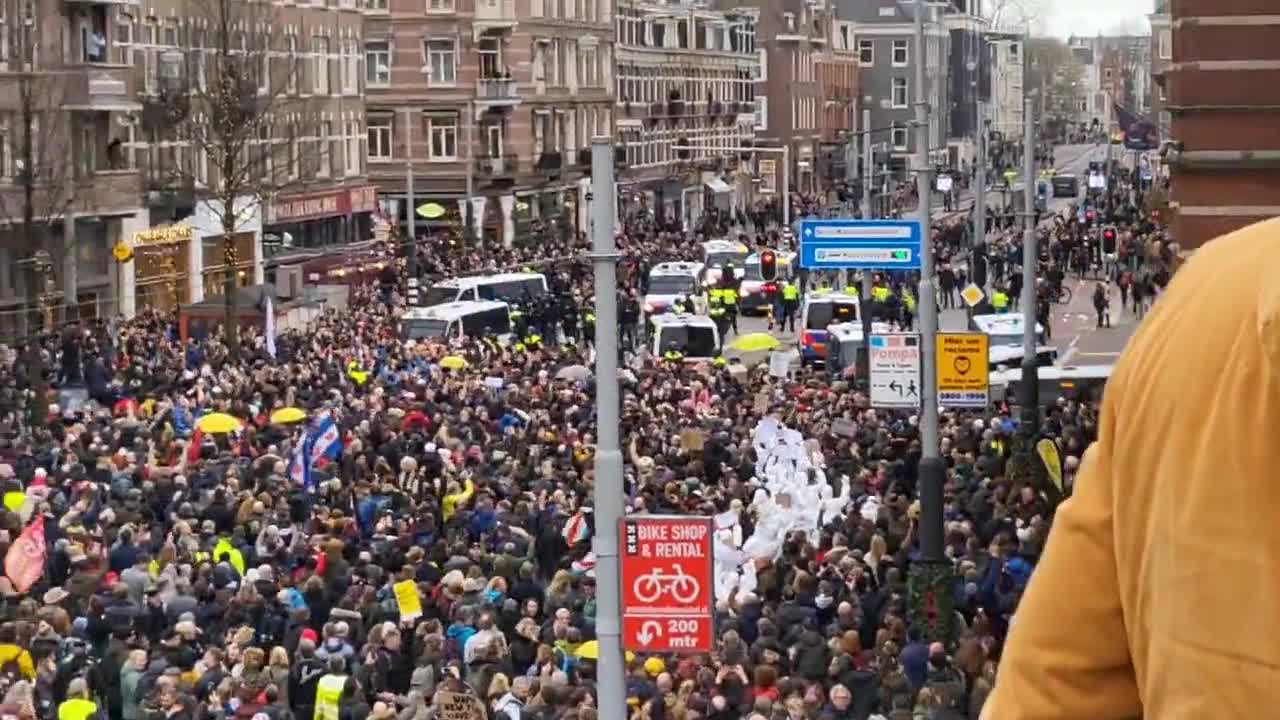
<point>729,297</point>
<point>715,311</point>
<point>329,691</point>
<point>78,705</point>
<point>908,308</point>
<point>1000,301</point>
<point>790,304</point>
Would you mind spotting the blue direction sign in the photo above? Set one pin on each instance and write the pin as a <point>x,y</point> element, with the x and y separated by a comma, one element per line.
<point>848,244</point>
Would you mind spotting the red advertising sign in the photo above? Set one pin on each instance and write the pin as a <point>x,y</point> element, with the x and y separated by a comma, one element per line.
<point>667,599</point>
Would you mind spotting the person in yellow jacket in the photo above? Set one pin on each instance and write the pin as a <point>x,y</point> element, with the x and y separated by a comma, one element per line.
<point>357,374</point>
<point>457,497</point>
<point>231,552</point>
<point>11,652</point>
<point>1158,587</point>
<point>1000,301</point>
<point>78,705</point>
<point>329,691</point>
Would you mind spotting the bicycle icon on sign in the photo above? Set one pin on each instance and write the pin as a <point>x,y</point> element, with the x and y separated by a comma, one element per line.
<point>681,587</point>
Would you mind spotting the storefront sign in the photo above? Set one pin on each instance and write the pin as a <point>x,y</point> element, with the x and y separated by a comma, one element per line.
<point>313,206</point>
<point>166,234</point>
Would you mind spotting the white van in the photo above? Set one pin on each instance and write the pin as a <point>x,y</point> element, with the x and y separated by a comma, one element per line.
<point>694,336</point>
<point>819,312</point>
<point>448,321</point>
<point>508,287</point>
<point>670,281</point>
<point>1083,383</point>
<point>1005,328</point>
<point>718,253</point>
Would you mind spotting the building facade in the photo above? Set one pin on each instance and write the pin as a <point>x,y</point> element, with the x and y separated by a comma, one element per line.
<point>1159,57</point>
<point>886,56</point>
<point>1223,85</point>
<point>495,101</point>
<point>686,89</point>
<point>968,80</point>
<point>838,83</point>
<point>1006,110</point>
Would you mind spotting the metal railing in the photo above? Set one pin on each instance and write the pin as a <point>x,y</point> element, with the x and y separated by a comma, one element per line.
<point>21,323</point>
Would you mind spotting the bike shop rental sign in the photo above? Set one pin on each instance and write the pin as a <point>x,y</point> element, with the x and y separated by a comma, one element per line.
<point>667,566</point>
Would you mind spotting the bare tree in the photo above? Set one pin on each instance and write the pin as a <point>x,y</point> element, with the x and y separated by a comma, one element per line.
<point>1054,71</point>
<point>228,102</point>
<point>1017,15</point>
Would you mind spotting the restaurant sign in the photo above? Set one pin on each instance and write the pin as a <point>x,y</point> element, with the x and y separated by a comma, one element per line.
<point>313,206</point>
<point>162,235</point>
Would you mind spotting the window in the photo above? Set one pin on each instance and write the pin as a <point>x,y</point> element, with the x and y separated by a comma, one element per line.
<point>351,162</point>
<point>866,53</point>
<point>377,62</point>
<point>376,5</point>
<point>380,138</point>
<point>899,138</point>
<point>350,66</point>
<point>1013,51</point>
<point>291,44</point>
<point>1164,44</point>
<point>899,98</point>
<point>899,53</point>
<point>493,140</point>
<point>490,50</point>
<point>442,60</point>
<point>320,65</point>
<point>124,38</point>
<point>443,132</point>
<point>295,154</point>
<point>322,143</point>
<point>439,6</point>
<point>1107,73</point>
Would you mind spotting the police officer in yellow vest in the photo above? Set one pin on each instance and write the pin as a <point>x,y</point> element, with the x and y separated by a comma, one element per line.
<point>790,304</point>
<point>78,706</point>
<point>673,354</point>
<point>715,311</point>
<point>908,308</point>
<point>329,691</point>
<point>1000,300</point>
<point>729,298</point>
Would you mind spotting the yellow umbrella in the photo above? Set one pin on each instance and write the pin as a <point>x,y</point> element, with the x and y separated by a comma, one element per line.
<point>453,362</point>
<point>431,210</point>
<point>218,423</point>
<point>589,650</point>
<point>287,415</point>
<point>755,342</point>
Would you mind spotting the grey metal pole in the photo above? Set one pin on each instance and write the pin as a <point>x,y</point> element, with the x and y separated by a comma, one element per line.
<point>609,490</point>
<point>1030,257</point>
<point>932,468</point>
<point>410,213</point>
<point>868,171</point>
<point>470,224</point>
<point>786,185</point>
<point>980,190</point>
<point>864,297</point>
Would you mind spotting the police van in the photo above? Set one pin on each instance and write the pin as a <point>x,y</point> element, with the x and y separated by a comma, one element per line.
<point>1005,329</point>
<point>671,281</point>
<point>754,294</point>
<point>454,320</point>
<point>718,253</point>
<point>695,337</point>
<point>1083,383</point>
<point>820,311</point>
<point>845,344</point>
<point>507,287</point>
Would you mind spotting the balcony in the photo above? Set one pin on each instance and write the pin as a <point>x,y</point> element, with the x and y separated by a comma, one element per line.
<point>549,162</point>
<point>715,107</point>
<point>496,167</point>
<point>105,192</point>
<point>493,16</point>
<point>100,86</point>
<point>497,92</point>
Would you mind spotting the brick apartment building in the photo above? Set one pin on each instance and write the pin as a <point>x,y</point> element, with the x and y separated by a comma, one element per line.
<point>838,85</point>
<point>112,165</point>
<point>1223,88</point>
<point>499,100</point>
<point>686,78</point>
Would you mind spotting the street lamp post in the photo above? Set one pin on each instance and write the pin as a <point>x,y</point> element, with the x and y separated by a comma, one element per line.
<point>39,267</point>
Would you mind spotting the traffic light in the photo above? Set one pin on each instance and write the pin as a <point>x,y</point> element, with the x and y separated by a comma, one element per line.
<point>768,266</point>
<point>1109,240</point>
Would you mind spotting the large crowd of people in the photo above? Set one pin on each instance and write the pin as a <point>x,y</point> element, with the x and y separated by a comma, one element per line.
<point>191,575</point>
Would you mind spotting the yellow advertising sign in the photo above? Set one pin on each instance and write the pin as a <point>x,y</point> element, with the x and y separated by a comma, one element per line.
<point>964,372</point>
<point>165,234</point>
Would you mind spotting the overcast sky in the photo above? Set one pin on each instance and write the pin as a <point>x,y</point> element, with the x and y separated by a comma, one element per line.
<point>1090,17</point>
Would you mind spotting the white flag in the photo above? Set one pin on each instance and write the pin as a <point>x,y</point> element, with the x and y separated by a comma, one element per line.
<point>271,328</point>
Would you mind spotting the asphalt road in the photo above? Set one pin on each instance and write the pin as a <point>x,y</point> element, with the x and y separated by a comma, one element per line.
<point>1074,332</point>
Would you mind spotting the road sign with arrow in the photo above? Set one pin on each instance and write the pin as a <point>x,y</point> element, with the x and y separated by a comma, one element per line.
<point>667,598</point>
<point>895,370</point>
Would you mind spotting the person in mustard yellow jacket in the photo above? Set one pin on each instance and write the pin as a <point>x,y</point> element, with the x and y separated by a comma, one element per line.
<point>1158,593</point>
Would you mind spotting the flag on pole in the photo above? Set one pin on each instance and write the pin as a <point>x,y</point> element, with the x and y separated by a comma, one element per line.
<point>24,563</point>
<point>271,328</point>
<point>326,441</point>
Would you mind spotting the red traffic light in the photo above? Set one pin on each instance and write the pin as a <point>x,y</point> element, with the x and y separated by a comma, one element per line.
<point>768,266</point>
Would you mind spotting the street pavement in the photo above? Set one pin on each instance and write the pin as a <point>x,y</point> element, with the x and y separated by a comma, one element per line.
<point>1074,333</point>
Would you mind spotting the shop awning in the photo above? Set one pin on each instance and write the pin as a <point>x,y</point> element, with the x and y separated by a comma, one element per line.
<point>717,185</point>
